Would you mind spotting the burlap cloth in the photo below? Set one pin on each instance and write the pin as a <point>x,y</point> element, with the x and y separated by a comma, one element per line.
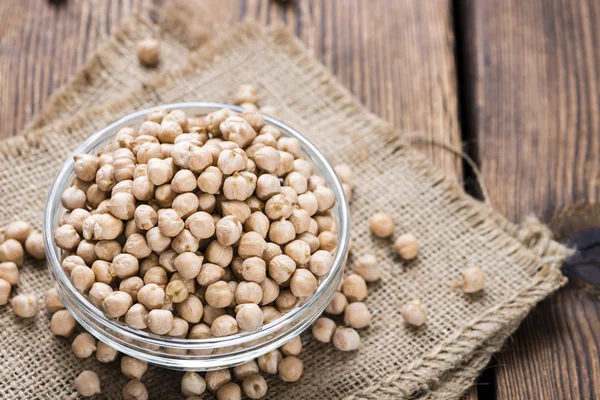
<point>438,361</point>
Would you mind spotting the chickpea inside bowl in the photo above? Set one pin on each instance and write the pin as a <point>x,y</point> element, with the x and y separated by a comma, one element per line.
<point>167,257</point>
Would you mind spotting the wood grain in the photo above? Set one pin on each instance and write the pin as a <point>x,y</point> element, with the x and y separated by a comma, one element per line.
<point>532,105</point>
<point>397,57</point>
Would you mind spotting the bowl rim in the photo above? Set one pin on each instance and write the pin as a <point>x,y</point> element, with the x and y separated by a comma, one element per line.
<point>52,205</point>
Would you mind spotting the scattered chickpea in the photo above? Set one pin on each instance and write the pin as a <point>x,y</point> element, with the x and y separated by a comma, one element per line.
<point>357,315</point>
<point>62,323</point>
<point>414,313</point>
<point>18,230</point>
<point>354,287</point>
<point>84,345</point>
<point>472,280</point>
<point>245,370</point>
<point>323,329</point>
<point>382,225</point>
<point>337,305</point>
<point>133,368</point>
<point>52,302</point>
<point>407,246</point>
<point>135,390</point>
<point>269,362</point>
<point>25,305</point>
<point>367,267</point>
<point>5,289</point>
<point>148,52</point>
<point>9,272</point>
<point>290,369</point>
<point>229,391</point>
<point>87,384</point>
<point>346,339</point>
<point>293,347</point>
<point>254,386</point>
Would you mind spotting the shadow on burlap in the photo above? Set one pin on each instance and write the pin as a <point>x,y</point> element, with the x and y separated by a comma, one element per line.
<point>439,361</point>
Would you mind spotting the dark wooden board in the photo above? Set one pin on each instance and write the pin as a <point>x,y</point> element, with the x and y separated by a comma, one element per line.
<point>532,104</point>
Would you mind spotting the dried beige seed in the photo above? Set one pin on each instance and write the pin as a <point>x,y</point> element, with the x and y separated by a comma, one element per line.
<point>160,321</point>
<point>249,317</point>
<point>218,295</point>
<point>290,369</point>
<point>209,274</point>
<point>9,272</point>
<point>4,291</point>
<point>357,315</point>
<point>367,267</point>
<point>382,224</point>
<point>270,314</point>
<point>327,241</point>
<point>25,305</point>
<point>84,345</point>
<point>65,237</point>
<point>245,94</point>
<point>105,353</point>
<point>188,264</point>
<point>254,386</point>
<point>286,301</point>
<point>240,186</point>
<point>282,232</point>
<point>309,203</point>
<point>157,241</point>
<point>85,166</point>
<point>52,302</point>
<point>218,254</point>
<point>132,286</point>
<point>82,278</point>
<point>216,379</point>
<point>231,161</point>
<point>73,198</point>
<point>137,316</point>
<point>71,262</point>
<point>86,250</point>
<point>192,384</point>
<point>414,313</point>
<point>180,328</point>
<point>98,293</point>
<point>320,263</point>
<point>229,391</point>
<point>117,303</point>
<point>248,292</point>
<point>245,370</point>
<point>152,296</point>
<point>145,217</point>
<point>137,246</point>
<point>135,390</point>
<point>268,362</point>
<point>472,280</point>
<point>34,245</point>
<point>278,207</point>
<point>267,186</point>
<point>298,251</point>
<point>176,291</point>
<point>337,305</point>
<point>185,204</point>
<point>125,265</point>
<point>62,323</point>
<point>122,205</point>
<point>169,222</point>
<point>303,283</point>
<point>87,384</point>
<point>346,339</point>
<point>257,222</point>
<point>185,242</point>
<point>148,52</point>
<point>271,251</point>
<point>293,347</point>
<point>228,230</point>
<point>133,368</point>
<point>323,329</point>
<point>354,287</point>
<point>201,225</point>
<point>18,230</point>
<point>407,246</point>
<point>107,250</point>
<point>210,180</point>
<point>270,291</point>
<point>224,325</point>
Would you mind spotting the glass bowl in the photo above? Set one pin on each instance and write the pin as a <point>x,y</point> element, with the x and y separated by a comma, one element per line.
<point>193,354</point>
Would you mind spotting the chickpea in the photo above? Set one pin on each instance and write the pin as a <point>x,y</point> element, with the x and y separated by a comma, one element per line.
<point>122,187</point>
<point>228,230</point>
<point>65,237</point>
<point>73,198</point>
<point>472,280</point>
<point>246,94</point>
<point>414,313</point>
<point>216,379</point>
<point>135,390</point>
<point>142,189</point>
<point>293,347</point>
<point>145,217</point>
<point>160,171</point>
<point>290,369</point>
<point>354,287</point>
<point>185,242</point>
<point>18,230</point>
<point>286,301</point>
<point>269,362</point>
<point>267,159</point>
<point>180,328</point>
<point>231,161</point>
<point>251,245</point>
<point>257,222</point>
<point>5,289</point>
<point>157,241</point>
<point>242,371</point>
<point>281,268</point>
<point>271,251</point>
<point>248,292</point>
<point>105,178</point>
<point>237,209</point>
<point>62,323</point>
<point>201,225</point>
<point>311,240</point>
<point>249,317</point>
<point>164,196</point>
<point>192,384</point>
<point>337,305</point>
<point>209,274</point>
<point>85,166</point>
<point>25,305</point>
<point>87,384</point>
<point>327,241</point>
<point>190,309</point>
<point>185,204</point>
<point>176,291</point>
<point>218,254</point>
<point>308,202</point>
<point>98,293</point>
<point>104,227</point>
<point>210,180</point>
<point>105,353</point>
<point>151,296</point>
<point>137,316</point>
<point>239,186</point>
<point>169,222</point>
<point>298,251</point>
<point>132,286</point>
<point>407,246</point>
<point>382,225</point>
<point>346,339</point>
<point>52,301</point>
<point>149,150</point>
<point>148,52</point>
<point>82,278</point>
<point>125,265</point>
<point>282,232</point>
<point>117,303</point>
<point>267,186</point>
<point>224,325</point>
<point>313,228</point>
<point>270,314</point>
<point>76,218</point>
<point>206,202</point>
<point>278,207</point>
<point>270,290</point>
<point>9,272</point>
<point>160,321</point>
<point>218,295</point>
<point>357,315</point>
<point>303,283</point>
<point>133,368</point>
<point>286,164</point>
<point>84,345</point>
<point>237,130</point>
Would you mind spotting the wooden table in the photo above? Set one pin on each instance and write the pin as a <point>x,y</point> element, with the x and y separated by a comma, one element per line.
<point>517,83</point>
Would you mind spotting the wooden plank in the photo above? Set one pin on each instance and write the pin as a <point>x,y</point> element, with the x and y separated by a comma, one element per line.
<point>397,57</point>
<point>533,108</point>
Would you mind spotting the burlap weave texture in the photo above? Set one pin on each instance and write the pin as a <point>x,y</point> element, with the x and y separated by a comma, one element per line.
<point>455,231</point>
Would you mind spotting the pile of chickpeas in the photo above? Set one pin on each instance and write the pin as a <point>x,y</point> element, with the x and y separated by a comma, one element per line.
<point>203,226</point>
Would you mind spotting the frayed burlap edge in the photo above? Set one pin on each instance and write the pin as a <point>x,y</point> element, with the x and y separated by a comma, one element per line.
<point>464,352</point>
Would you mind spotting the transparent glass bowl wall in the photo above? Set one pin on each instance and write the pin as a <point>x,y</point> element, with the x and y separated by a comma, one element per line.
<point>193,354</point>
